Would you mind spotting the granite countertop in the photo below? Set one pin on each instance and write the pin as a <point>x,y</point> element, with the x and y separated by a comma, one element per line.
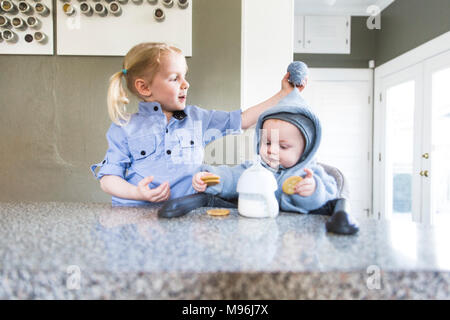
<point>93,251</point>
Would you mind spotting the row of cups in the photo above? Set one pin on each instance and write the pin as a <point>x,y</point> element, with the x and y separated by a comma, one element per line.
<point>183,4</point>
<point>19,23</point>
<point>102,10</point>
<point>24,7</point>
<point>7,6</point>
<point>99,8</point>
<point>11,36</point>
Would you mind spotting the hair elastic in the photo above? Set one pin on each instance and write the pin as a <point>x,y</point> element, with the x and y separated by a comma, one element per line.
<point>124,71</point>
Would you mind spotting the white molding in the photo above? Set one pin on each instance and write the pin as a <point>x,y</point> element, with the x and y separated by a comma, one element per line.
<point>339,8</point>
<point>383,4</point>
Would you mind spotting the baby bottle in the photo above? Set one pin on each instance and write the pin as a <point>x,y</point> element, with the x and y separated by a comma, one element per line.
<point>256,188</point>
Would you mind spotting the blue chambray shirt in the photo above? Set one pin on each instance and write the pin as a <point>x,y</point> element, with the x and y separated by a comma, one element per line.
<point>170,151</point>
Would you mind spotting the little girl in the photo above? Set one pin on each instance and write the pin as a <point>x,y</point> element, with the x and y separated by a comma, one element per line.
<point>153,153</point>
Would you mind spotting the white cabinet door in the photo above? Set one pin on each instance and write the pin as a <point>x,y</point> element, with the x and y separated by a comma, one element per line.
<point>327,34</point>
<point>299,43</point>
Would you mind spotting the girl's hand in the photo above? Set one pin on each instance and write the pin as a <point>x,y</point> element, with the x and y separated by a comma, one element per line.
<point>307,186</point>
<point>158,194</point>
<point>198,184</point>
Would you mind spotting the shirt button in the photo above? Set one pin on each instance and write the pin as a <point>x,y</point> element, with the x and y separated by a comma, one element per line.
<point>167,130</point>
<point>155,108</point>
<point>104,161</point>
<point>169,152</point>
<point>192,142</point>
<point>143,152</point>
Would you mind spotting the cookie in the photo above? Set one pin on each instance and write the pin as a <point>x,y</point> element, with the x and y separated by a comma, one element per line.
<point>210,180</point>
<point>289,184</point>
<point>218,212</point>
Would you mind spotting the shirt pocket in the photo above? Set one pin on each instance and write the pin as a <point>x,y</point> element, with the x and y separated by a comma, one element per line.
<point>142,147</point>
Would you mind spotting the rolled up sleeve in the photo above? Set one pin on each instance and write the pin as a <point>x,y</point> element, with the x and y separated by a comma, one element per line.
<point>227,122</point>
<point>118,158</point>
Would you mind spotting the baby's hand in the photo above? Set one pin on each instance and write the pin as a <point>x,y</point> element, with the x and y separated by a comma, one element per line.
<point>197,183</point>
<point>286,86</point>
<point>158,194</point>
<point>307,186</point>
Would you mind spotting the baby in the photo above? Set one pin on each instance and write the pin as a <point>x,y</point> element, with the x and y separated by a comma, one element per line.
<point>287,139</point>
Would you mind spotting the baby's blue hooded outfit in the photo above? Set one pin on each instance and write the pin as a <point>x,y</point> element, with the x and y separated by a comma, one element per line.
<point>294,109</point>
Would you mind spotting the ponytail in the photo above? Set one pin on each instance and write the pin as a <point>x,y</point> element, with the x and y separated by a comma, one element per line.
<point>142,61</point>
<point>117,100</point>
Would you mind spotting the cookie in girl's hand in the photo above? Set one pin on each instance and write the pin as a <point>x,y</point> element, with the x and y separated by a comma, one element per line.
<point>210,180</point>
<point>290,183</point>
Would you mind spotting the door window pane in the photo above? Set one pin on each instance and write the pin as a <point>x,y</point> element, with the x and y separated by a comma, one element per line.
<point>400,115</point>
<point>440,155</point>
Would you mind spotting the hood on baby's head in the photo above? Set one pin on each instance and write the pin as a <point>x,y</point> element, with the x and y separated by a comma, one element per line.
<point>294,109</point>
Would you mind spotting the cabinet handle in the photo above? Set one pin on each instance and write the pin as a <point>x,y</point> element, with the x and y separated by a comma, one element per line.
<point>421,173</point>
<point>425,155</point>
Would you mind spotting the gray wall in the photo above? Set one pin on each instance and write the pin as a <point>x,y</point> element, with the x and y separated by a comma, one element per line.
<point>362,50</point>
<point>54,115</point>
<point>406,24</point>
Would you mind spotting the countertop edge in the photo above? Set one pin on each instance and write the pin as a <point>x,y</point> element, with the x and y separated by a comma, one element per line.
<point>349,285</point>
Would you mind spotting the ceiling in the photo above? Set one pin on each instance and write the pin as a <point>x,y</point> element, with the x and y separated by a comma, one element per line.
<point>338,7</point>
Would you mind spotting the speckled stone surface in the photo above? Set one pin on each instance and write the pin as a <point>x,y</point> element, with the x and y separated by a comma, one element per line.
<point>93,251</point>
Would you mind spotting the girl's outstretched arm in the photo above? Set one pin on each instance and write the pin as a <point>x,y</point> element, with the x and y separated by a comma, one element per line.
<point>251,115</point>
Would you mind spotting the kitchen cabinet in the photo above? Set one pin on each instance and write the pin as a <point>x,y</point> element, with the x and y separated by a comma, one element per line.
<point>322,34</point>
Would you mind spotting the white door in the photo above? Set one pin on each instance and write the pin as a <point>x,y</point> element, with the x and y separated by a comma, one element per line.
<point>412,174</point>
<point>342,99</point>
<point>435,153</point>
<point>398,138</point>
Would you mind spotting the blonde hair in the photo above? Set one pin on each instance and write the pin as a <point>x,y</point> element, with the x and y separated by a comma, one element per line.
<point>142,61</point>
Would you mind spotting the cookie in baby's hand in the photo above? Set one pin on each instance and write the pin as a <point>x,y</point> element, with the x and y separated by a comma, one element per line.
<point>210,180</point>
<point>290,183</point>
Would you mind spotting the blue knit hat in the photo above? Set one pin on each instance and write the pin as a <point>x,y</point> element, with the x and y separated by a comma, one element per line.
<point>298,71</point>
